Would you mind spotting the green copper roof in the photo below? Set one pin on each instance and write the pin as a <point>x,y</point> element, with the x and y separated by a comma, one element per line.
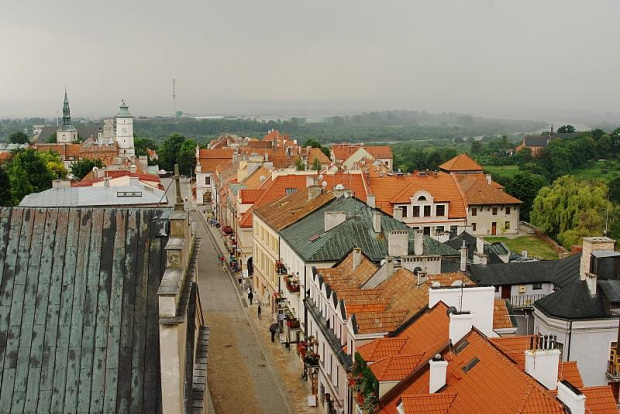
<point>310,240</point>
<point>66,116</point>
<point>123,111</point>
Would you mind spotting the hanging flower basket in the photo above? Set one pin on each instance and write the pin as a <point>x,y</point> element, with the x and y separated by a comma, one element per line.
<point>312,359</point>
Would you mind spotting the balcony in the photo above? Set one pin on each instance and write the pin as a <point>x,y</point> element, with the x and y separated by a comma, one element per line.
<point>292,284</point>
<point>525,301</point>
<point>613,365</point>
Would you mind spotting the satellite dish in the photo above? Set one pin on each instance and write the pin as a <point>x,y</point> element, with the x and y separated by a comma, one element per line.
<point>457,283</point>
<point>436,284</point>
<point>339,187</point>
<point>262,178</point>
<point>324,183</point>
<point>95,169</point>
<point>320,177</point>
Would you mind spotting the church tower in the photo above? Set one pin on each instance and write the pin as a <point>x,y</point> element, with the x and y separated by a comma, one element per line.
<point>124,131</point>
<point>67,133</point>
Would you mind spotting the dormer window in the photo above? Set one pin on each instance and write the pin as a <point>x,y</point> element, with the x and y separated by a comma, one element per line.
<point>404,210</point>
<point>422,198</point>
<point>440,210</point>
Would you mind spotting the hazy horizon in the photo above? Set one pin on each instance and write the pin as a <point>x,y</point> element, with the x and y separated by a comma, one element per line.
<point>531,60</point>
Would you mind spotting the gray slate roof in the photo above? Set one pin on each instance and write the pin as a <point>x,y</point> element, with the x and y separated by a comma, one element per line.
<point>573,302</point>
<point>356,231</point>
<point>535,141</point>
<point>79,309</point>
<point>96,197</point>
<point>611,289</point>
<point>559,272</point>
<point>84,132</point>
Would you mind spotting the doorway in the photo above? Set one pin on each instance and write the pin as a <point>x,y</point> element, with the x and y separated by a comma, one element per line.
<point>494,228</point>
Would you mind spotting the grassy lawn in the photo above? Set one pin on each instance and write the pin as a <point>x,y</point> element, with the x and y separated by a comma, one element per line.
<point>535,247</point>
<point>601,170</point>
<point>501,171</point>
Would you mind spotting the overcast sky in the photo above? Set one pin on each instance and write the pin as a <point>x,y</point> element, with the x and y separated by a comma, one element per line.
<point>494,57</point>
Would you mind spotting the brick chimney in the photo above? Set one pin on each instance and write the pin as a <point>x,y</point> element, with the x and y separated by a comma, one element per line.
<point>593,244</point>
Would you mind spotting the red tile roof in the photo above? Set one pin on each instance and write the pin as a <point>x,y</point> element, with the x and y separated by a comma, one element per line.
<point>249,196</point>
<point>600,400</point>
<point>210,159</point>
<point>479,192</point>
<point>150,179</point>
<point>428,404</point>
<point>380,151</point>
<point>501,316</point>
<point>395,368</point>
<point>461,162</point>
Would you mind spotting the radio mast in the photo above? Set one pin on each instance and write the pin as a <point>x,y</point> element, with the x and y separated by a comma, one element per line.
<point>174,97</point>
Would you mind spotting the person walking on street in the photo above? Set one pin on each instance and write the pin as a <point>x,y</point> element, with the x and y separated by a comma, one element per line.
<point>224,267</point>
<point>250,295</point>
<point>258,310</point>
<point>273,329</point>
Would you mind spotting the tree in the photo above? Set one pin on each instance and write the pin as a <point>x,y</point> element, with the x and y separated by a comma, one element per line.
<point>614,190</point>
<point>316,165</point>
<point>53,139</point>
<point>299,164</point>
<point>54,163</point>
<point>142,144</point>
<point>19,137</point>
<point>186,157</point>
<point>169,151</point>
<point>476,148</point>
<point>566,129</point>
<point>570,209</point>
<point>81,168</point>
<point>28,172</point>
<point>6,198</point>
<point>525,186</point>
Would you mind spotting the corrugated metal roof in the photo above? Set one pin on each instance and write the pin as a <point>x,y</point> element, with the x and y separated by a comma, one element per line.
<point>356,231</point>
<point>78,309</point>
<point>132,195</point>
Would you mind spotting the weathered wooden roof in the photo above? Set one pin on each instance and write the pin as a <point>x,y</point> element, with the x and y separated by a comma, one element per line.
<point>79,309</point>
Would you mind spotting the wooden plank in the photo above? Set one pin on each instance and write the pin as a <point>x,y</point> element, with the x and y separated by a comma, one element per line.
<point>8,279</point>
<point>123,399</point>
<point>139,324</point>
<point>47,379</point>
<point>104,277</point>
<point>59,256</point>
<point>116,302</point>
<point>5,227</point>
<point>10,367</point>
<point>76,338</point>
<point>66,306</point>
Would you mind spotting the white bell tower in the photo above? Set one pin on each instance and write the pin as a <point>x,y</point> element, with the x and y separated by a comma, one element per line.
<point>124,131</point>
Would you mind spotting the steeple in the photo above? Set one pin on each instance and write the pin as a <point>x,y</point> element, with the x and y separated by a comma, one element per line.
<point>66,116</point>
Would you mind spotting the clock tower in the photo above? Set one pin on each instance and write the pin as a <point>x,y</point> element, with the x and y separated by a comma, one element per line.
<point>124,131</point>
<point>67,133</point>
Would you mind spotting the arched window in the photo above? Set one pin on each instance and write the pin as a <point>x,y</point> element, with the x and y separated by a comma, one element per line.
<point>422,198</point>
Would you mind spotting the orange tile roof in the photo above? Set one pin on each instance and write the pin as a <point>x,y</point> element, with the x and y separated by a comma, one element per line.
<point>428,404</point>
<point>249,196</point>
<point>600,400</point>
<point>277,188</point>
<point>247,220</point>
<point>373,322</point>
<point>353,182</point>
<point>570,372</point>
<point>381,348</point>
<point>257,178</point>
<point>343,151</point>
<point>478,192</point>
<point>501,316</point>
<point>317,153</point>
<point>288,210</point>
<point>461,162</point>
<point>218,153</point>
<point>380,151</point>
<point>395,189</point>
<point>395,368</point>
<point>4,156</point>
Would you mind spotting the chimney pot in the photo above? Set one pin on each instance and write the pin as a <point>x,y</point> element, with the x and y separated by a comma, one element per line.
<point>371,201</point>
<point>437,378</point>
<point>460,325</point>
<point>463,267</point>
<point>418,243</point>
<point>376,221</point>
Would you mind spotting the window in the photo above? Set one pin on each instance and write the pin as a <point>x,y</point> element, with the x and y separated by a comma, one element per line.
<point>427,230</point>
<point>495,211</point>
<point>207,180</point>
<point>473,226</point>
<point>537,286</point>
<point>421,198</point>
<point>404,209</point>
<point>474,211</point>
<point>440,210</point>
<point>438,229</point>
<point>507,225</point>
<point>427,211</point>
<point>507,210</point>
<point>290,191</point>
<point>453,230</point>
<point>416,211</point>
<point>496,289</point>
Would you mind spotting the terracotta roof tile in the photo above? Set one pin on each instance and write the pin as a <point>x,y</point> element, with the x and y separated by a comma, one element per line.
<point>372,322</point>
<point>600,400</point>
<point>395,189</point>
<point>380,151</point>
<point>461,162</point>
<point>478,192</point>
<point>343,151</point>
<point>570,372</point>
<point>257,178</point>
<point>281,213</point>
<point>317,153</point>
<point>249,196</point>
<point>501,316</point>
<point>247,220</point>
<point>381,348</point>
<point>428,404</point>
<point>395,368</point>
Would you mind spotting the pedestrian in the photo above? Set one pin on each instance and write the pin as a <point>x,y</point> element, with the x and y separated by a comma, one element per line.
<point>250,296</point>
<point>258,310</point>
<point>273,329</point>
<point>240,280</point>
<point>224,267</point>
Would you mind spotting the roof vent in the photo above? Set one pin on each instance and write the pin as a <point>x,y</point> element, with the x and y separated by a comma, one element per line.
<point>436,284</point>
<point>457,283</point>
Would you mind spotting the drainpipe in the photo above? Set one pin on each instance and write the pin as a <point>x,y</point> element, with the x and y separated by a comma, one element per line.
<point>570,337</point>
<point>305,307</point>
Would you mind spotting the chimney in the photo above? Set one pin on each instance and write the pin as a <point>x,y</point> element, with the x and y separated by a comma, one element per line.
<point>593,244</point>
<point>370,200</point>
<point>133,169</point>
<point>357,257</point>
<point>398,243</point>
<point>480,245</point>
<point>376,221</point>
<point>489,180</point>
<point>438,370</point>
<point>463,257</point>
<point>571,397</point>
<point>61,183</point>
<point>334,218</point>
<point>398,214</point>
<point>106,181</point>
<point>314,191</point>
<point>235,157</point>
<point>460,324</point>
<point>389,266</point>
<point>591,280</point>
<point>310,181</point>
<point>339,190</point>
<point>541,361</point>
<point>418,243</point>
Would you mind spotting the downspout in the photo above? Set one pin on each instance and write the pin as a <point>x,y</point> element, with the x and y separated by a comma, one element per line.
<point>570,337</point>
<point>305,307</point>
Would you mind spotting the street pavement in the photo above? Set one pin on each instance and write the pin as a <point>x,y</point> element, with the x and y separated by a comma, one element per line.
<point>246,372</point>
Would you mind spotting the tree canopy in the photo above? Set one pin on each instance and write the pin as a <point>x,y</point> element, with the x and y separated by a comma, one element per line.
<point>6,197</point>
<point>566,129</point>
<point>570,209</point>
<point>525,186</point>
<point>177,149</point>
<point>28,173</point>
<point>81,168</point>
<point>19,137</point>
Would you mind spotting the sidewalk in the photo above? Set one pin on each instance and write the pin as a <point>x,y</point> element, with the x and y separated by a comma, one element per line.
<point>285,361</point>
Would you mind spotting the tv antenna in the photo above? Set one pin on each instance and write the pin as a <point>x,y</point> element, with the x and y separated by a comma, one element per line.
<point>174,97</point>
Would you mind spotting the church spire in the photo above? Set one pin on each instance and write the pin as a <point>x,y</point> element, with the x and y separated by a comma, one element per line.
<point>66,111</point>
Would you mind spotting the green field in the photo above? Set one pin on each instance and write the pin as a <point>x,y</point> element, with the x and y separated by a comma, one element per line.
<point>593,170</point>
<point>535,246</point>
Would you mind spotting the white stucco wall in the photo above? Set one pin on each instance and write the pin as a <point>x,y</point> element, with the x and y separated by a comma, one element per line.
<point>484,219</point>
